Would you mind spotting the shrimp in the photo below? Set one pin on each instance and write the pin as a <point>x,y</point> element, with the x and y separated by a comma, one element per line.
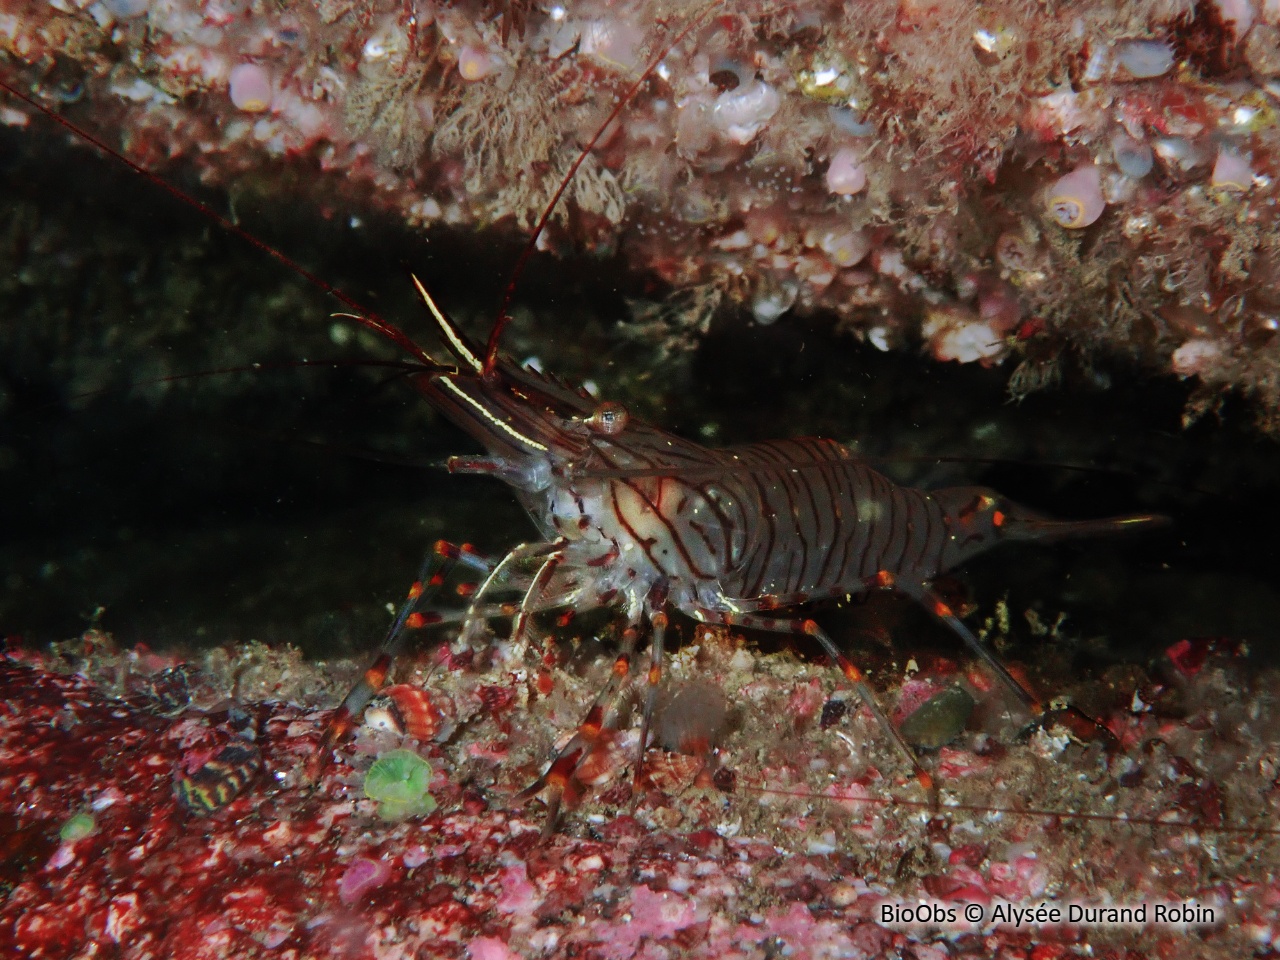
<point>632,517</point>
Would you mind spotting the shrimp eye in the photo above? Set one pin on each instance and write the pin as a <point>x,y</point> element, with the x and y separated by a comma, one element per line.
<point>610,419</point>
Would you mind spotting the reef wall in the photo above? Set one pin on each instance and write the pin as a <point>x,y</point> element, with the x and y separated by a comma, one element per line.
<point>1017,183</point>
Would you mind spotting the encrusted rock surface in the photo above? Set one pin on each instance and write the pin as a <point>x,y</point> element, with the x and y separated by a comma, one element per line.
<point>807,831</point>
<point>1012,183</point>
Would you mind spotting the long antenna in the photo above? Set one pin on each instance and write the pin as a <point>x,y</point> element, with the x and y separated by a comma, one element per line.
<point>495,335</point>
<point>359,313</point>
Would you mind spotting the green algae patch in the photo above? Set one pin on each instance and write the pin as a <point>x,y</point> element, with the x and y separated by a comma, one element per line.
<point>77,827</point>
<point>398,782</point>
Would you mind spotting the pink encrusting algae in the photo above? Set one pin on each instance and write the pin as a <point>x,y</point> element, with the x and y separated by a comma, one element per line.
<point>1133,145</point>
<point>362,876</point>
<point>795,850</point>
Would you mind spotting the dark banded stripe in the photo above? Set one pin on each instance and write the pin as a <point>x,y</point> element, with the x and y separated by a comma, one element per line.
<point>771,521</point>
<point>821,532</point>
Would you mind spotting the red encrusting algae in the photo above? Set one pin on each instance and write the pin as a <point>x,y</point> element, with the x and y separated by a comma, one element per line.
<point>797,858</point>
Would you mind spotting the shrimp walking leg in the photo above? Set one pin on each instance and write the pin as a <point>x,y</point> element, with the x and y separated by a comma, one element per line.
<point>940,609</point>
<point>657,651</point>
<point>600,720</point>
<point>375,677</point>
<point>847,667</point>
<point>537,590</point>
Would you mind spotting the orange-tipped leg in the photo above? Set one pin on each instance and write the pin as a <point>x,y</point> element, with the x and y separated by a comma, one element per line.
<point>847,667</point>
<point>938,607</point>
<point>653,679</point>
<point>409,617</point>
<point>563,782</point>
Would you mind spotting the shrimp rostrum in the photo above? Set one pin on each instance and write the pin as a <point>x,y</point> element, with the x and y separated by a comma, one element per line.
<point>630,516</point>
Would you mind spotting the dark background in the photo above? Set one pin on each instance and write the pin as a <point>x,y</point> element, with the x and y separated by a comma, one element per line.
<point>292,504</point>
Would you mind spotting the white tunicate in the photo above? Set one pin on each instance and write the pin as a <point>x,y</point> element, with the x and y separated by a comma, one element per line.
<point>474,63</point>
<point>1145,58</point>
<point>1175,151</point>
<point>846,248</point>
<point>740,114</point>
<point>1133,157</point>
<point>1076,200</point>
<point>250,87</point>
<point>1238,13</point>
<point>967,342</point>
<point>613,43</point>
<point>1195,356</point>
<point>845,174</point>
<point>1232,170</point>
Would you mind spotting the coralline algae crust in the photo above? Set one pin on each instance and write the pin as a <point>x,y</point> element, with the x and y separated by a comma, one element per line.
<point>806,832</point>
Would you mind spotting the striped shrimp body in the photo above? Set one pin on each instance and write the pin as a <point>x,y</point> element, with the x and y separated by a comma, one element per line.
<point>634,517</point>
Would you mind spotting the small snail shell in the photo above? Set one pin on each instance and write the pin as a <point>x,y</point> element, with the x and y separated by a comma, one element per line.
<point>406,710</point>
<point>1076,200</point>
